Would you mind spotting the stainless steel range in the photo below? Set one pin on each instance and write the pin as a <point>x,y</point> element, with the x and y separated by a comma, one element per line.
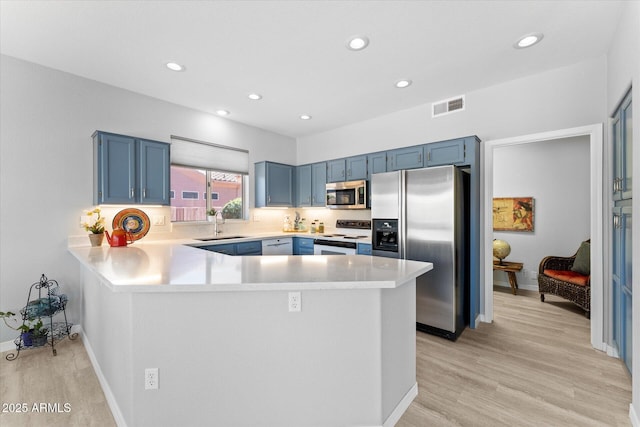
<point>343,242</point>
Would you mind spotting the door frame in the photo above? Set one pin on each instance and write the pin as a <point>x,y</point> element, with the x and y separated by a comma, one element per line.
<point>596,150</point>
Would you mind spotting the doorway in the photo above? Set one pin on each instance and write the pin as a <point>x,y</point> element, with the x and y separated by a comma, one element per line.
<point>596,152</point>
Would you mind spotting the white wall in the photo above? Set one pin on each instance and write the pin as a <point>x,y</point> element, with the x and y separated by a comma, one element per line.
<point>567,97</point>
<point>623,70</point>
<point>556,174</point>
<point>47,118</point>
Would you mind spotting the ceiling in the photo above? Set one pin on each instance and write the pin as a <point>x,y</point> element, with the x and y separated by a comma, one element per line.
<point>294,53</point>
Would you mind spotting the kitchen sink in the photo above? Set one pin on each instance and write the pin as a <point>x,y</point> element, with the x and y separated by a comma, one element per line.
<point>208,239</point>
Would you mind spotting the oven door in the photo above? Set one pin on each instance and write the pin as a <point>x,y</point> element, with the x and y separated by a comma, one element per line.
<point>332,247</point>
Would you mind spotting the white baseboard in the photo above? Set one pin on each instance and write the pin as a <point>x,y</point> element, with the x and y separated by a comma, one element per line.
<point>111,400</point>
<point>401,407</point>
<point>633,416</point>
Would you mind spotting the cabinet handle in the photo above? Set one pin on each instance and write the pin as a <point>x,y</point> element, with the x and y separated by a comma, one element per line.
<point>428,156</point>
<point>420,157</point>
<point>616,221</point>
<point>131,193</point>
<point>268,199</point>
<point>349,172</point>
<point>144,193</point>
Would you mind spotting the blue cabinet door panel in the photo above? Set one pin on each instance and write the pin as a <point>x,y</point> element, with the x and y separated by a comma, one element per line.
<point>336,170</point>
<point>377,163</point>
<point>303,185</point>
<point>445,153</point>
<point>279,184</point>
<point>405,158</point>
<point>118,170</point>
<point>154,172</point>
<point>364,249</point>
<point>319,184</point>
<point>356,168</point>
<point>249,248</point>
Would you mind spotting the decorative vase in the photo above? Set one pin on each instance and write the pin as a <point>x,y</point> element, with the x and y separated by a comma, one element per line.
<point>96,239</point>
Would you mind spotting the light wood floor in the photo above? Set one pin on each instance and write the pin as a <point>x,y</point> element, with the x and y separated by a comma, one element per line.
<point>533,366</point>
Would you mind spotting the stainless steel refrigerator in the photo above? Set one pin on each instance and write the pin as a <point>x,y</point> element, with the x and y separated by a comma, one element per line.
<point>423,215</point>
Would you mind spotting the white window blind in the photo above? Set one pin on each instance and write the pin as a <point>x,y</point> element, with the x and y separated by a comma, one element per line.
<point>205,155</point>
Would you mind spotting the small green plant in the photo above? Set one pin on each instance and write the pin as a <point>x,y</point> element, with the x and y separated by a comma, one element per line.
<point>212,212</point>
<point>33,327</point>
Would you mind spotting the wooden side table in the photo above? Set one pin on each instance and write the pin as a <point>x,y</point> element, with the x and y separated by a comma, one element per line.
<point>511,268</point>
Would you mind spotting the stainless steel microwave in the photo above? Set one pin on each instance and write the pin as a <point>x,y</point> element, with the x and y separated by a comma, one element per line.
<point>347,195</point>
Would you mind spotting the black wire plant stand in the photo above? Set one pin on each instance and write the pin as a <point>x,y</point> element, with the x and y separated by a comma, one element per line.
<point>37,332</point>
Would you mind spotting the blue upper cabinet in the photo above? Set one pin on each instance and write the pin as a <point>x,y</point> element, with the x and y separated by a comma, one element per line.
<point>303,185</point>
<point>154,169</point>
<point>622,150</point>
<point>319,184</point>
<point>129,170</point>
<point>274,184</point>
<point>336,170</point>
<point>405,158</point>
<point>445,153</point>
<point>376,163</point>
<point>356,168</point>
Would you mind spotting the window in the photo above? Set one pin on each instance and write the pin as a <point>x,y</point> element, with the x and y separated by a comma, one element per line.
<point>225,190</point>
<point>190,195</point>
<point>172,194</point>
<point>216,172</point>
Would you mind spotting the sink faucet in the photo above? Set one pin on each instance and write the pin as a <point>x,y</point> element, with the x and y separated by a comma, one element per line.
<point>217,226</point>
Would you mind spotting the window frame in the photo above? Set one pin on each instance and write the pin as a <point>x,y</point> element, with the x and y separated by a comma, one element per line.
<point>244,191</point>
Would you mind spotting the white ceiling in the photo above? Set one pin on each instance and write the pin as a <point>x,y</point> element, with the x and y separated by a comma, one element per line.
<point>294,54</point>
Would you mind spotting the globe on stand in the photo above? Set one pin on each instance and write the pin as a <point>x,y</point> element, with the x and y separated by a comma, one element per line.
<point>501,249</point>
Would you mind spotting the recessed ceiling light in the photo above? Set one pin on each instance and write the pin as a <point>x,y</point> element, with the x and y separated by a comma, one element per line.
<point>255,96</point>
<point>222,112</point>
<point>174,66</point>
<point>305,117</point>
<point>358,43</point>
<point>528,40</point>
<point>403,83</point>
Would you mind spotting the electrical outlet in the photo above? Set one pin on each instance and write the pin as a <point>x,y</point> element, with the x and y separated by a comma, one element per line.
<point>533,274</point>
<point>151,379</point>
<point>158,220</point>
<point>295,301</point>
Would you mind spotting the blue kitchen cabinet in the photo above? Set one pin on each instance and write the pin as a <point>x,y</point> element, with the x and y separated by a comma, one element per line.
<point>302,246</point>
<point>445,153</point>
<point>336,170</point>
<point>622,122</point>
<point>405,158</point>
<point>376,163</point>
<point>249,248</point>
<point>227,248</point>
<point>356,168</point>
<point>303,185</point>
<point>319,184</point>
<point>154,169</point>
<point>130,170</point>
<point>274,185</point>
<point>364,249</point>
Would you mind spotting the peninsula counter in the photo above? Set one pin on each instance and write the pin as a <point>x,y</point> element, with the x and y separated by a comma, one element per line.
<point>228,350</point>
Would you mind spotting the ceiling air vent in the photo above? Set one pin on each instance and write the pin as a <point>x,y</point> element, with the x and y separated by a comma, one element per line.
<point>447,106</point>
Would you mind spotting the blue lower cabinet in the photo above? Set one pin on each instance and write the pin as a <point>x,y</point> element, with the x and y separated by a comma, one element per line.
<point>249,248</point>
<point>302,246</point>
<point>228,249</point>
<point>364,249</point>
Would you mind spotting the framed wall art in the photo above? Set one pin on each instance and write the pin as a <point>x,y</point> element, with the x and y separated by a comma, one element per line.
<point>513,214</point>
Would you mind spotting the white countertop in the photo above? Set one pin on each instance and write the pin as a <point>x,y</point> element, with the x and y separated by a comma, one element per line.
<point>172,266</point>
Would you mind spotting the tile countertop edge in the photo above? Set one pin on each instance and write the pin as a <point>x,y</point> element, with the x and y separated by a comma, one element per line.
<point>404,272</point>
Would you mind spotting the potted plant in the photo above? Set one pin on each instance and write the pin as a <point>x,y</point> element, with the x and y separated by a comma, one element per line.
<point>95,225</point>
<point>32,332</point>
<point>211,214</point>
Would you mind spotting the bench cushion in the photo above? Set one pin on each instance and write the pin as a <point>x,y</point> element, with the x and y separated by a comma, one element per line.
<point>568,276</point>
